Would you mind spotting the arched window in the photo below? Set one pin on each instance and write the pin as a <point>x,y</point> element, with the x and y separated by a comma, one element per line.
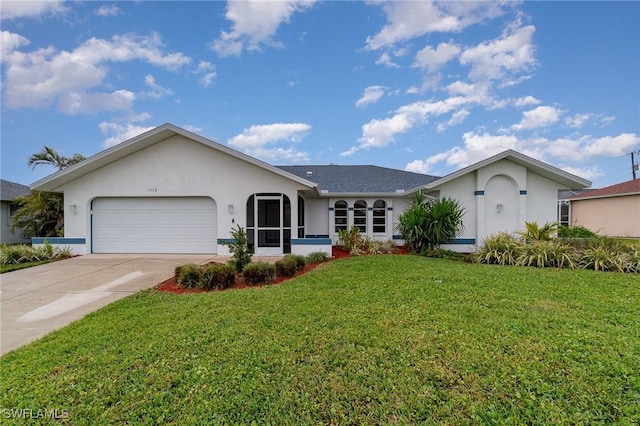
<point>379,217</point>
<point>340,210</point>
<point>360,215</point>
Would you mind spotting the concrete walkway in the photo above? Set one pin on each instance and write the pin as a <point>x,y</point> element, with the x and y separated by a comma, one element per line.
<point>38,300</point>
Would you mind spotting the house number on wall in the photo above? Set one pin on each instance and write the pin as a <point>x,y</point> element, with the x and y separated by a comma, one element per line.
<point>152,189</point>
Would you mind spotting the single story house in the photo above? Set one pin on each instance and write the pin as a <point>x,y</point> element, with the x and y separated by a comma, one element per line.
<point>171,191</point>
<point>612,211</point>
<point>9,191</point>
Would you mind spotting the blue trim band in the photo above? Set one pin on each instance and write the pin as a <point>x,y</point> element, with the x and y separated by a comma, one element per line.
<point>478,192</point>
<point>523,192</point>
<point>58,240</point>
<point>311,242</point>
<point>397,237</point>
<point>370,209</point>
<point>316,236</point>
<point>350,209</point>
<point>226,240</point>
<point>390,208</point>
<point>462,241</point>
<point>331,209</point>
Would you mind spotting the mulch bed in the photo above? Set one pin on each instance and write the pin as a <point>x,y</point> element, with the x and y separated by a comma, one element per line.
<point>170,285</point>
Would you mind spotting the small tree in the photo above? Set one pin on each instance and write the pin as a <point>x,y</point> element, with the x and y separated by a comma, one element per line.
<point>426,224</point>
<point>239,248</point>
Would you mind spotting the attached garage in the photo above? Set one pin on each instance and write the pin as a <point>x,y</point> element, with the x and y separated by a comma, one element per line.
<point>154,225</point>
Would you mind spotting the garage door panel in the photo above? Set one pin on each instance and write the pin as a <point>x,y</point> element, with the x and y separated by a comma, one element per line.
<point>154,225</point>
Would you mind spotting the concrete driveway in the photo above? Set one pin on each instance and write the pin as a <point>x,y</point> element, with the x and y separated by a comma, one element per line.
<point>35,301</point>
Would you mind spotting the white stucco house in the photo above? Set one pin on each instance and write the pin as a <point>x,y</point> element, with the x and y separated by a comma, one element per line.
<point>171,191</point>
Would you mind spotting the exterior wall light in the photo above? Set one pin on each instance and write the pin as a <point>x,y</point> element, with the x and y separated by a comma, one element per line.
<point>73,208</point>
<point>499,208</point>
<point>230,208</point>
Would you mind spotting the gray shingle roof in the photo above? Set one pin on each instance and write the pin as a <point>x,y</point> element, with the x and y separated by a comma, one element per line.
<point>363,179</point>
<point>10,190</point>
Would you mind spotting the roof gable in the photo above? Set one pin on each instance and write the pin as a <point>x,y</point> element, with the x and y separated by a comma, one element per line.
<point>631,187</point>
<point>9,191</point>
<point>54,181</point>
<point>359,179</point>
<point>566,179</point>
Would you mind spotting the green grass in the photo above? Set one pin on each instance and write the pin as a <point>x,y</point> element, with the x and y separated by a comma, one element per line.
<point>367,340</point>
<point>16,266</point>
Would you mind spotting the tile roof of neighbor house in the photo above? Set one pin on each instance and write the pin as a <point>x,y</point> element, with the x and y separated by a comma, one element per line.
<point>10,190</point>
<point>630,187</point>
<point>359,179</point>
<point>568,193</point>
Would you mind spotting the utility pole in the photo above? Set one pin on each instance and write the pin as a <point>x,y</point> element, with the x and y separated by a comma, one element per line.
<point>633,166</point>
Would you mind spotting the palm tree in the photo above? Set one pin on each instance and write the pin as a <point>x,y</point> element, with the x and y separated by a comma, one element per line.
<point>51,157</point>
<point>41,214</point>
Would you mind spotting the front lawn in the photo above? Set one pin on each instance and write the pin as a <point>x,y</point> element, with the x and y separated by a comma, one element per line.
<point>367,340</point>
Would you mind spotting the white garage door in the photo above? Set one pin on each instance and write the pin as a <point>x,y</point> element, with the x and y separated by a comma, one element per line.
<point>154,225</point>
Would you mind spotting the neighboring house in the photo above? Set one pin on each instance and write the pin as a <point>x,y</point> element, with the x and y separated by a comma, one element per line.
<point>9,191</point>
<point>612,211</point>
<point>172,191</point>
<point>564,206</point>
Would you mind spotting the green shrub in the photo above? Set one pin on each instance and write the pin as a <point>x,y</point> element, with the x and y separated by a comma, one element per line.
<point>301,262</point>
<point>11,254</point>
<point>546,253</point>
<point>500,249</point>
<point>216,276</point>
<point>352,240</point>
<point>286,267</point>
<point>601,258</point>
<point>535,232</point>
<point>631,259</point>
<point>189,275</point>
<point>317,257</point>
<point>372,246</point>
<point>259,273</point>
<point>239,248</point>
<point>575,232</point>
<point>428,223</point>
<point>446,254</point>
<point>176,273</point>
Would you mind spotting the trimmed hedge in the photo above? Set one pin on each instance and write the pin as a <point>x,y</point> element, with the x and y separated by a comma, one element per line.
<point>217,276</point>
<point>259,273</point>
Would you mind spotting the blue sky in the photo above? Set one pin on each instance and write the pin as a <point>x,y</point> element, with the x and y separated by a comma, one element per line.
<point>419,86</point>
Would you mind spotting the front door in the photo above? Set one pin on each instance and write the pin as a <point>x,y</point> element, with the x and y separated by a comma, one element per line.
<point>269,230</point>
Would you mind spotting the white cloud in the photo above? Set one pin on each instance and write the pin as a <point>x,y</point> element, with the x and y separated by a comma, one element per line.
<point>157,91</point>
<point>9,42</point>
<point>371,95</point>
<point>541,116</point>
<point>456,118</point>
<point>105,10</point>
<point>258,140</point>
<point>410,19</point>
<point>610,146</point>
<point>432,59</point>
<point>385,59</point>
<point>504,58</point>
<point>589,173</point>
<point>30,8</point>
<point>526,101</point>
<point>254,24</point>
<point>577,120</point>
<point>74,103</point>
<point>380,133</point>
<point>46,77</point>
<point>207,72</point>
<point>192,128</point>
<point>477,147</point>
<point>122,132</point>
